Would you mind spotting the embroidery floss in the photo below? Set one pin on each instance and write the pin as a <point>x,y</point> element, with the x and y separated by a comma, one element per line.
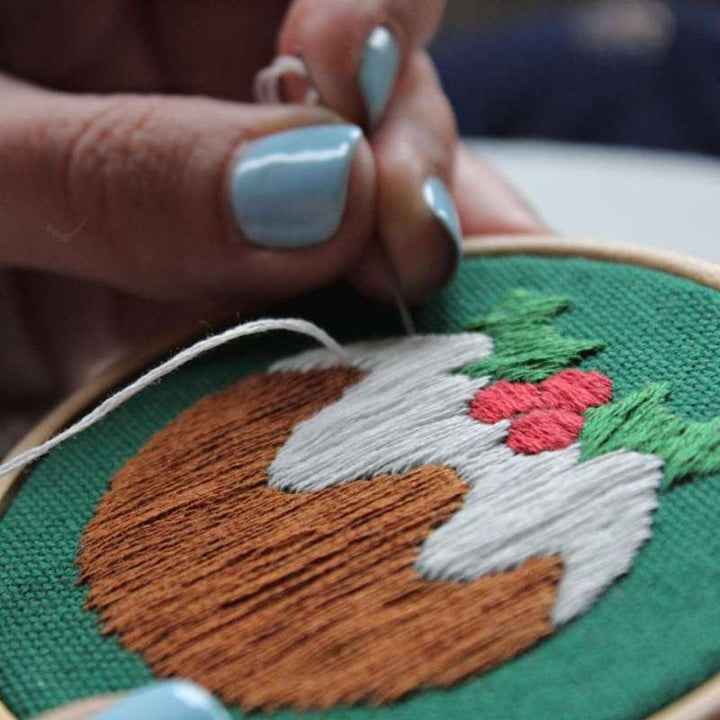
<point>302,599</point>
<point>571,390</point>
<point>410,411</point>
<point>547,416</point>
<point>643,421</point>
<point>594,515</point>
<point>256,327</point>
<point>527,346</point>
<point>542,430</point>
<point>434,525</point>
<point>267,86</point>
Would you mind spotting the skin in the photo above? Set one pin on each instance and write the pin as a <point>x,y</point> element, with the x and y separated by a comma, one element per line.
<point>82,710</point>
<point>118,123</point>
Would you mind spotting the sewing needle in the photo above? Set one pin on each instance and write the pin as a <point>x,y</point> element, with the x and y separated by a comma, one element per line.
<point>269,88</point>
<point>394,284</point>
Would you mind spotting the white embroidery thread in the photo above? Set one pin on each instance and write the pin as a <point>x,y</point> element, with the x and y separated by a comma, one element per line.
<point>255,327</point>
<point>596,515</point>
<point>412,410</point>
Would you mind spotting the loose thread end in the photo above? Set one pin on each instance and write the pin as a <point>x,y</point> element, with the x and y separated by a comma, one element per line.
<point>255,327</point>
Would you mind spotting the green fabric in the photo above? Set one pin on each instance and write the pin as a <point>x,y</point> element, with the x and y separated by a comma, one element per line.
<point>527,346</point>
<point>651,638</point>
<point>642,421</point>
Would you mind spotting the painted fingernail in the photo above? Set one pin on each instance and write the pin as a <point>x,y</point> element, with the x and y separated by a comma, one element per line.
<point>167,700</point>
<point>288,190</point>
<point>441,205</point>
<point>378,68</point>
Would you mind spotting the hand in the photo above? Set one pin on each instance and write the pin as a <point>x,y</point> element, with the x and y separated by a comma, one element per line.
<point>166,700</point>
<point>120,123</point>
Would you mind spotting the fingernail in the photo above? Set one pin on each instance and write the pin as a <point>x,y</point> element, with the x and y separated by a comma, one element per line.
<point>288,190</point>
<point>441,205</point>
<point>378,68</point>
<point>167,700</point>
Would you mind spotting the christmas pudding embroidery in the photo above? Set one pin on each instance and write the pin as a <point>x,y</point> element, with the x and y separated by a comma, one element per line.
<point>318,535</point>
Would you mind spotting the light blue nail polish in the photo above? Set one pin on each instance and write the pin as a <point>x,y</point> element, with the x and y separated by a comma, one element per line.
<point>442,207</point>
<point>288,190</point>
<point>378,68</point>
<point>168,700</point>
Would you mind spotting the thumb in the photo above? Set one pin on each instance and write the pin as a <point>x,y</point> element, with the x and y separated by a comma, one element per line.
<point>181,197</point>
<point>165,700</point>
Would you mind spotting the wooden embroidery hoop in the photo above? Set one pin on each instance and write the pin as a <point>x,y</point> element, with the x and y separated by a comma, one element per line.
<point>703,703</point>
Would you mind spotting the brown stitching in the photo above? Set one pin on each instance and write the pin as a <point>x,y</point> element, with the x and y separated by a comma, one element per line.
<point>272,599</point>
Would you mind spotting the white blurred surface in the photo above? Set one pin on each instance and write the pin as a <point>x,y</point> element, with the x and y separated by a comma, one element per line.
<point>659,199</point>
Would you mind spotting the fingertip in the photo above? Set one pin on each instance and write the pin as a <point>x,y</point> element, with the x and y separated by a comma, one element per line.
<point>359,222</point>
<point>329,44</point>
<point>440,202</point>
<point>343,250</point>
<point>174,699</point>
<point>303,203</point>
<point>421,241</point>
<point>417,219</point>
<point>167,700</point>
<point>377,72</point>
<point>355,52</point>
<point>290,189</point>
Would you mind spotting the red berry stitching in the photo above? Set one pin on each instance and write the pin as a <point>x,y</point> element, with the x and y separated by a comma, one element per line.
<point>543,416</point>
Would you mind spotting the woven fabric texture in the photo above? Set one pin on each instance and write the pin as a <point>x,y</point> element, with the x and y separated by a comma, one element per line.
<point>652,637</point>
<point>303,600</point>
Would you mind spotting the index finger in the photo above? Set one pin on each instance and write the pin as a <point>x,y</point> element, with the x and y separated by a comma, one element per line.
<point>355,49</point>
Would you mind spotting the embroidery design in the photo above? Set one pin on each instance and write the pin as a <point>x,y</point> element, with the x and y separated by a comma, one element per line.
<point>317,535</point>
<point>546,416</point>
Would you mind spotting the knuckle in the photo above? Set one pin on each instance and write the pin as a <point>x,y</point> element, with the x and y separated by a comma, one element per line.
<point>122,170</point>
<point>112,145</point>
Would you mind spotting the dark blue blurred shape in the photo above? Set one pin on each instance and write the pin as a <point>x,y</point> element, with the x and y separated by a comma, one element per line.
<point>627,72</point>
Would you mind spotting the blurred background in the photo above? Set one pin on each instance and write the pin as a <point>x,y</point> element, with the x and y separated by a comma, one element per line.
<point>473,15</point>
<point>606,114</point>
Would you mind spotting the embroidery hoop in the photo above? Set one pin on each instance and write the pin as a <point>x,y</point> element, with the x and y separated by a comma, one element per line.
<point>702,702</point>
